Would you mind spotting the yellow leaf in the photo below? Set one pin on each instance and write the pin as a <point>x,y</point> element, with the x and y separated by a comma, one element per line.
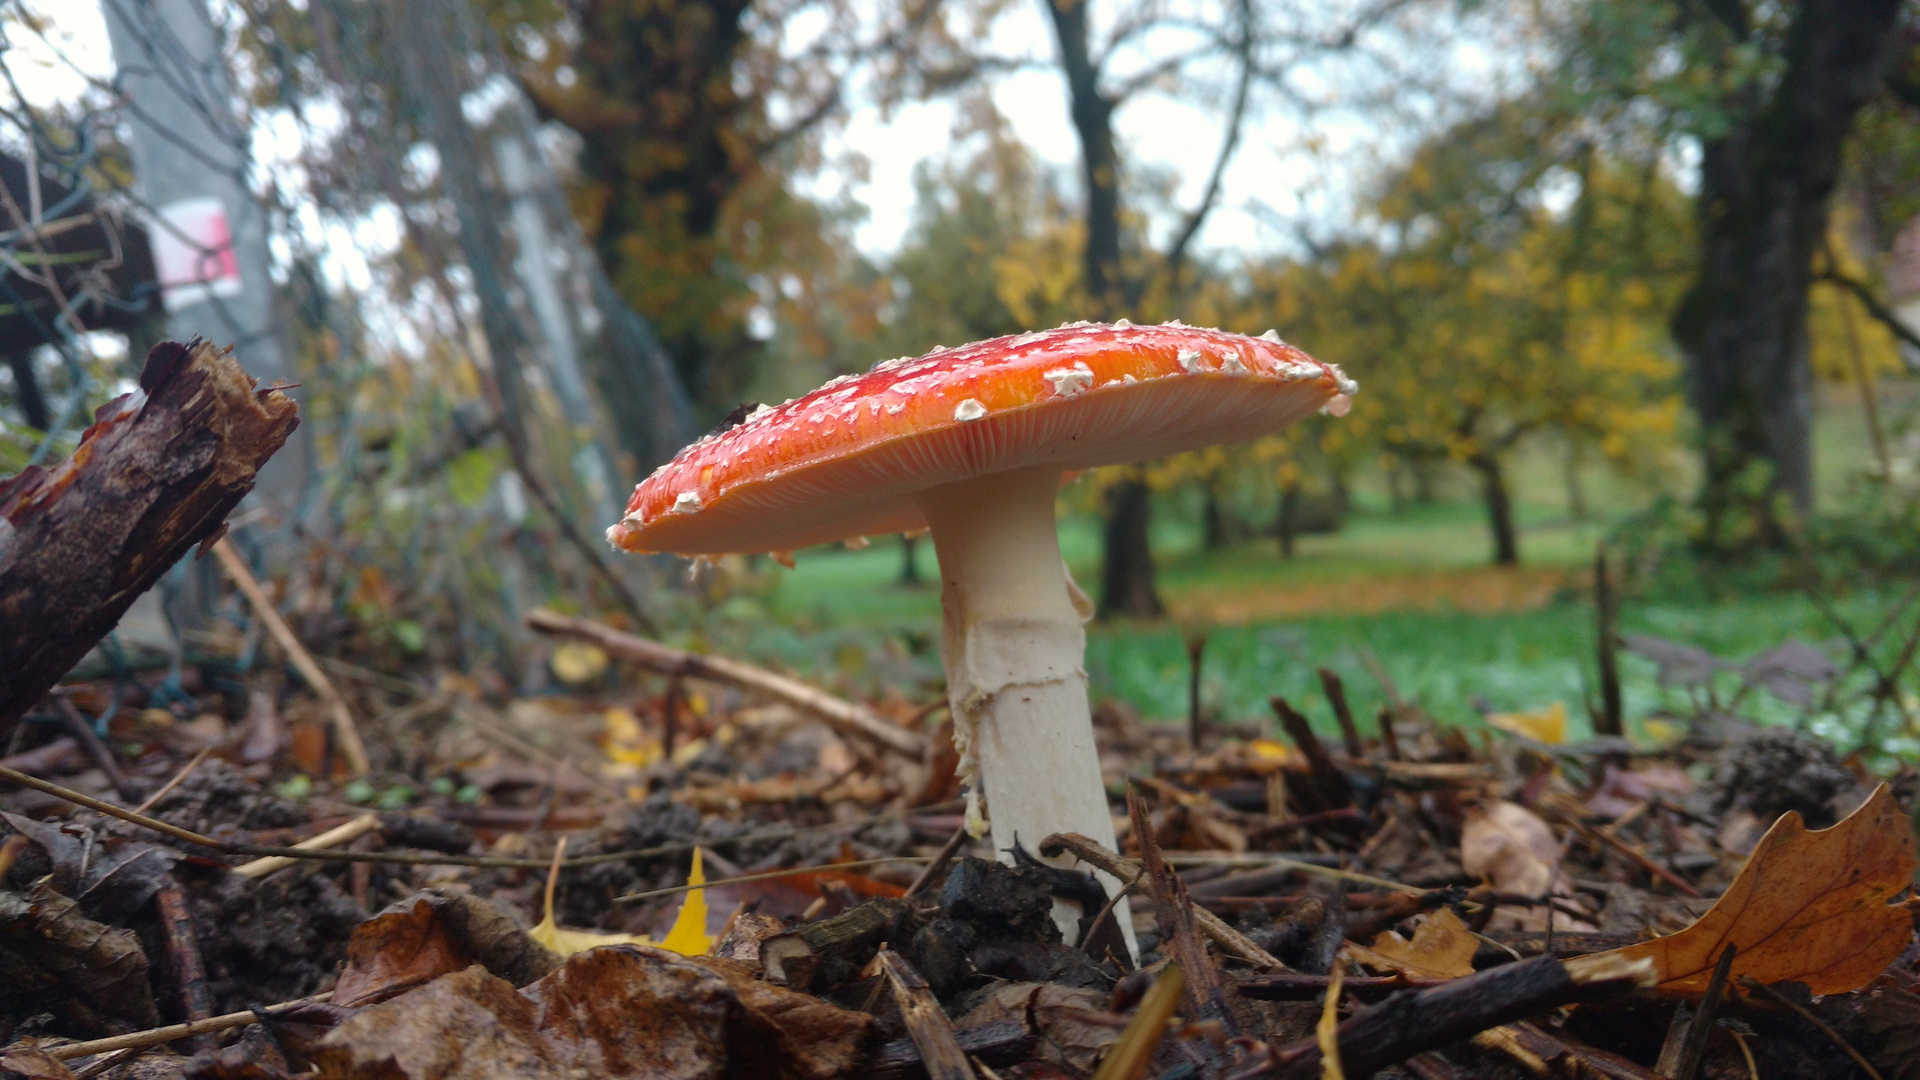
<point>1810,907</point>
<point>688,937</point>
<point>575,662</point>
<point>1327,1031</point>
<point>568,942</point>
<point>1442,948</point>
<point>1548,725</point>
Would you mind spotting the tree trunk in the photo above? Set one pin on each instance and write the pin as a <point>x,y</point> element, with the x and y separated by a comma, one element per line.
<point>1576,485</point>
<point>909,566</point>
<point>27,392</point>
<point>1765,186</point>
<point>1126,577</point>
<point>1493,488</point>
<point>1092,114</point>
<point>1287,524</point>
<point>1213,521</point>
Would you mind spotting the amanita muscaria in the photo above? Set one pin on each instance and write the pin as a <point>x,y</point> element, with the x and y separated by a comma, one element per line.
<point>972,443</point>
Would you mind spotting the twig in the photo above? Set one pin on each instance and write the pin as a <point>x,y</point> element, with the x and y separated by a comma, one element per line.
<point>343,726</point>
<point>1694,1050</point>
<point>332,838</point>
<point>1173,915</point>
<point>1122,869</point>
<point>843,715</point>
<point>155,1036</point>
<point>1754,985</point>
<point>1336,692</point>
<point>109,1063</point>
<point>1196,658</point>
<point>926,1023</point>
<point>1423,1020</point>
<point>947,851</point>
<point>1132,1055</point>
<point>1106,909</point>
<point>407,858</point>
<point>767,875</point>
<point>1328,781</point>
<point>167,788</point>
<point>90,742</point>
<point>183,949</point>
<point>1644,860</point>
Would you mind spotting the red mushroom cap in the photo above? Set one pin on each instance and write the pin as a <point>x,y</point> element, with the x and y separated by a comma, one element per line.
<point>847,459</point>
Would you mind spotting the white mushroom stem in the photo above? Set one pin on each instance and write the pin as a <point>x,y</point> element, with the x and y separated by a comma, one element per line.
<point>1014,648</point>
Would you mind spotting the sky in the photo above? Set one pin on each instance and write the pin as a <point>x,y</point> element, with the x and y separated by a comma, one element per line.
<point>1272,178</point>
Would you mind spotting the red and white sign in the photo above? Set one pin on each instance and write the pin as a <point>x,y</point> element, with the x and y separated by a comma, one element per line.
<point>193,253</point>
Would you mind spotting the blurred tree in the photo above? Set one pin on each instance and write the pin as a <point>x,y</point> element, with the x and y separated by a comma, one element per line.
<point>693,117</point>
<point>1517,287</point>
<point>1768,93</point>
<point>1225,52</point>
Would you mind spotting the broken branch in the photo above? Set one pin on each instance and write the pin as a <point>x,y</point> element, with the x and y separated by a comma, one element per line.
<point>844,716</point>
<point>157,473</point>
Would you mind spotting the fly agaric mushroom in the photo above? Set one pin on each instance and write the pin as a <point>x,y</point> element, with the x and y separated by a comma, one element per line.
<point>973,443</point>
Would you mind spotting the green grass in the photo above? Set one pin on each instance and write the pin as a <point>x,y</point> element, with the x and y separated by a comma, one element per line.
<point>842,617</point>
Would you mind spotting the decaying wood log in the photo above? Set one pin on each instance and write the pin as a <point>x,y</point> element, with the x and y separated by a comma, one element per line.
<point>794,958</point>
<point>157,473</point>
<point>1422,1020</point>
<point>927,1025</point>
<point>1126,870</point>
<point>844,716</point>
<point>996,1044</point>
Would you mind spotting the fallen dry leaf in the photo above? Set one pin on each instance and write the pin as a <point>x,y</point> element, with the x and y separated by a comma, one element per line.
<point>611,1013</point>
<point>688,935</point>
<point>395,951</point>
<point>1067,1039</point>
<point>1892,1018</point>
<point>1511,847</point>
<point>431,934</point>
<point>823,1040</point>
<point>32,1063</point>
<point>53,958</point>
<point>1442,948</point>
<point>1810,907</point>
<point>1548,725</point>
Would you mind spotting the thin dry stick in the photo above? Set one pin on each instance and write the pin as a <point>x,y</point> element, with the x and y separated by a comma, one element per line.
<point>1754,985</point>
<point>332,838</point>
<point>768,875</point>
<point>947,852</point>
<point>168,787</point>
<point>1106,909</point>
<point>406,858</point>
<point>1120,868</point>
<point>843,715</point>
<point>156,1036</point>
<point>343,725</point>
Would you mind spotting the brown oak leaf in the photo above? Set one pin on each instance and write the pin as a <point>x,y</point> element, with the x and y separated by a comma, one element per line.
<point>1810,907</point>
<point>1441,948</point>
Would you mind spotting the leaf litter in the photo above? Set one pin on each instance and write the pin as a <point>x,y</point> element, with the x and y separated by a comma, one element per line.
<point>616,916</point>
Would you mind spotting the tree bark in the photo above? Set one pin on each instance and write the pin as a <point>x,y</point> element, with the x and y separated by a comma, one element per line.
<point>1127,576</point>
<point>1287,524</point>
<point>1092,114</point>
<point>27,392</point>
<point>157,473</point>
<point>1499,500</point>
<point>1765,188</point>
<point>909,565</point>
<point>1213,520</point>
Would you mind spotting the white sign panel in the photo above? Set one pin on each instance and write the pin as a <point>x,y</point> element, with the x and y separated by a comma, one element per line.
<point>193,253</point>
